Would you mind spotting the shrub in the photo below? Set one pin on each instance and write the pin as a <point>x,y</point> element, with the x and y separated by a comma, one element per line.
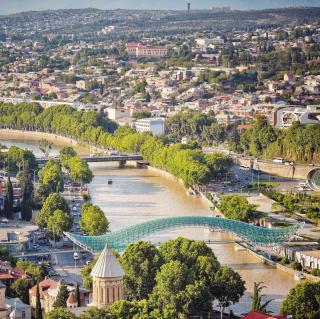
<point>284,261</point>
<point>296,266</point>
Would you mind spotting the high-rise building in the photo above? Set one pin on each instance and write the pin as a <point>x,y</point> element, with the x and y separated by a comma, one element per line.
<point>189,7</point>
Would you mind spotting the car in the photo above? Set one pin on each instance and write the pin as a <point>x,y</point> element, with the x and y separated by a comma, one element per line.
<point>88,262</point>
<point>36,246</point>
<point>75,256</point>
<point>53,273</point>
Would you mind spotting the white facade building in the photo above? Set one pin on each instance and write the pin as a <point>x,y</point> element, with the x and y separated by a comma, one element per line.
<point>153,125</point>
<point>286,116</point>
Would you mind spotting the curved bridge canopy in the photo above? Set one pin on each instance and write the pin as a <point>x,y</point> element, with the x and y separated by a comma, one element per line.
<point>314,179</point>
<point>249,233</point>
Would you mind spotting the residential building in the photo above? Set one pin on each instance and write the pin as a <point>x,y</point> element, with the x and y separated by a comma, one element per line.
<point>16,309</point>
<point>117,113</point>
<point>153,125</point>
<point>148,51</point>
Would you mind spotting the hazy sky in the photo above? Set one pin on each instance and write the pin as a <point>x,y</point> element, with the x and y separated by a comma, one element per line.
<point>13,6</point>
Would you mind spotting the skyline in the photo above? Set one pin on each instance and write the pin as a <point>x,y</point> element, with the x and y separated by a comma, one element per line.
<point>15,6</point>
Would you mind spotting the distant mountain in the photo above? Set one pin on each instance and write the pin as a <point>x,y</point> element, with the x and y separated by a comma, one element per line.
<point>14,6</point>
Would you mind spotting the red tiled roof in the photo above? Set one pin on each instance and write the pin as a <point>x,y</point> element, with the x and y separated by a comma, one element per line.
<point>6,276</point>
<point>261,315</point>
<point>44,286</point>
<point>72,299</point>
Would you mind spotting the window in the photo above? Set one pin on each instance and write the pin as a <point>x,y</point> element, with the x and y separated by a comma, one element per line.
<point>23,314</point>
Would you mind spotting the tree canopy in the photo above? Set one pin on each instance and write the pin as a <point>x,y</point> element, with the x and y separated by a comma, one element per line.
<point>303,301</point>
<point>59,222</point>
<point>52,203</point>
<point>237,207</point>
<point>51,176</point>
<point>60,313</point>
<point>141,261</point>
<point>93,220</point>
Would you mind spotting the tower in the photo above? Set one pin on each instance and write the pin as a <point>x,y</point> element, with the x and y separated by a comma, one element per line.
<point>189,7</point>
<point>107,280</point>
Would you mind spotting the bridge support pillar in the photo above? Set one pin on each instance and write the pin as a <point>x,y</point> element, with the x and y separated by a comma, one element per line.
<point>122,164</point>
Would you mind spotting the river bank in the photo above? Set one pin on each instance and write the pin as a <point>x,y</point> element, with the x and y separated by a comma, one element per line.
<point>139,195</point>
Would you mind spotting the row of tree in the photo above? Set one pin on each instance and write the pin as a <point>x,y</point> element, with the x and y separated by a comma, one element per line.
<point>297,143</point>
<point>183,161</point>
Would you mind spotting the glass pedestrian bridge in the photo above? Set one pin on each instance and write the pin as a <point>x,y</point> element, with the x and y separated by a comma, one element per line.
<point>253,235</point>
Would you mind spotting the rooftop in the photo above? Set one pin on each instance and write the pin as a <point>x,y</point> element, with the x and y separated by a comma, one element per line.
<point>107,265</point>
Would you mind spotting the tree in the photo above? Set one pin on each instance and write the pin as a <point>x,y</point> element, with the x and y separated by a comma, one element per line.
<point>37,272</point>
<point>59,222</point>
<point>124,309</point>
<point>78,295</point>
<point>38,309</point>
<point>60,313</point>
<point>141,115</point>
<point>85,274</point>
<point>141,261</point>
<point>63,294</point>
<point>237,207</point>
<point>177,294</point>
<point>229,288</point>
<point>39,195</point>
<point>96,313</point>
<point>51,175</point>
<point>19,158</point>
<point>66,153</point>
<point>218,163</point>
<point>93,221</point>
<point>20,289</point>
<point>8,199</point>
<point>45,147</point>
<point>186,251</point>
<point>52,203</point>
<point>24,178</point>
<point>257,298</point>
<point>79,170</point>
<point>303,301</point>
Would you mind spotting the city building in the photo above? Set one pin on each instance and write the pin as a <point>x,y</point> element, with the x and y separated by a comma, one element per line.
<point>117,113</point>
<point>49,289</point>
<point>153,125</point>
<point>12,308</point>
<point>147,51</point>
<point>16,309</point>
<point>285,116</point>
<point>309,258</point>
<point>107,280</point>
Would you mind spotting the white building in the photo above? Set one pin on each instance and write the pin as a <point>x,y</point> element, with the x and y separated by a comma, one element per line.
<point>153,125</point>
<point>286,116</point>
<point>116,114</point>
<point>309,259</point>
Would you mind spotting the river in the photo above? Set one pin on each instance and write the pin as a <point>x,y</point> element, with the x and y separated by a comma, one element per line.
<point>137,195</point>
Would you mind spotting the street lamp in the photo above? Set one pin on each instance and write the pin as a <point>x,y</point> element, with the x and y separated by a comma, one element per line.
<point>34,175</point>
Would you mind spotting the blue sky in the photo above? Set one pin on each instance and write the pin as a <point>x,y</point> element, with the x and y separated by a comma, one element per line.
<point>13,6</point>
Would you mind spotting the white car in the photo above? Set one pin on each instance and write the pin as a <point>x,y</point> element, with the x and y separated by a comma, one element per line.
<point>75,256</point>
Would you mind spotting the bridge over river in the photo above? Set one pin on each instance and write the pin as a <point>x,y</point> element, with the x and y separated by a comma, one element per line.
<point>122,159</point>
<point>253,235</point>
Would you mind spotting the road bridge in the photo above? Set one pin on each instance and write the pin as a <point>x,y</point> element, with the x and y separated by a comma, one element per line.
<point>253,235</point>
<point>122,159</point>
